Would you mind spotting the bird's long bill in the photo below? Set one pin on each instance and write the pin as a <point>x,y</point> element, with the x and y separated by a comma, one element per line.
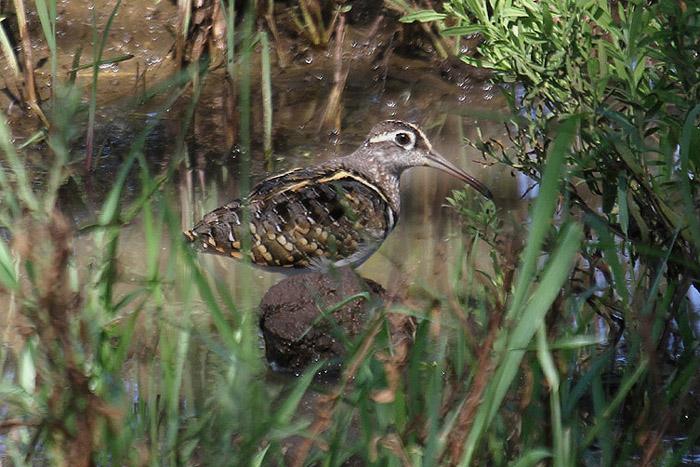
<point>437,161</point>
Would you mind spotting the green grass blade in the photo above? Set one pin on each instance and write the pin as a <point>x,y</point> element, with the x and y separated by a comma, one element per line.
<point>554,276</point>
<point>288,408</point>
<point>8,276</point>
<point>625,388</point>
<point>691,215</point>
<point>543,212</point>
<point>23,187</point>
<point>266,96</point>
<point>96,58</point>
<point>47,18</point>
<point>9,52</point>
<point>107,61</point>
<point>559,436</point>
<point>260,457</point>
<point>584,383</point>
<point>552,279</point>
<point>534,457</point>
<point>110,208</point>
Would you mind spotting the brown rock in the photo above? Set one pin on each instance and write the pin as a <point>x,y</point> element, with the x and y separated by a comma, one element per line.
<point>302,323</point>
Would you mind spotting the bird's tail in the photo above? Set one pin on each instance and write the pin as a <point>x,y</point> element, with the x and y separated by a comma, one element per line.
<point>190,235</point>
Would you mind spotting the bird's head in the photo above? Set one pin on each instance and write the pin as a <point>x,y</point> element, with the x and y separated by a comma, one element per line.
<point>399,145</point>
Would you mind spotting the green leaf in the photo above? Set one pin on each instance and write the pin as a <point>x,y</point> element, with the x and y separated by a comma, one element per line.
<point>462,30</point>
<point>260,457</point>
<point>48,21</point>
<point>8,278</point>
<point>9,52</point>
<point>513,13</point>
<point>288,408</point>
<point>533,457</point>
<point>625,387</point>
<point>106,61</point>
<point>423,16</point>
<point>475,62</point>
<point>555,274</point>
<point>26,369</point>
<point>691,218</point>
<point>622,211</point>
<point>574,342</point>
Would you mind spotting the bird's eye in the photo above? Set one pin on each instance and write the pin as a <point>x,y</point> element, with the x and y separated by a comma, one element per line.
<point>403,139</point>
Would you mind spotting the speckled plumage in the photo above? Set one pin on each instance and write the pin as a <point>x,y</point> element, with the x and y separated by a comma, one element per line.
<point>337,212</point>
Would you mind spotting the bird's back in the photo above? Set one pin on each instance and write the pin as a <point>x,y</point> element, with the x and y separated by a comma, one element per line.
<point>304,218</point>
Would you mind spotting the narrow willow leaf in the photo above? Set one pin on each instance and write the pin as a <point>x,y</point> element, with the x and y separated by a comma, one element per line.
<point>423,16</point>
<point>462,30</point>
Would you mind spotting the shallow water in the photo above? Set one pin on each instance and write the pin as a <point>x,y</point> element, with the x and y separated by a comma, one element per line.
<point>440,100</point>
<point>402,88</point>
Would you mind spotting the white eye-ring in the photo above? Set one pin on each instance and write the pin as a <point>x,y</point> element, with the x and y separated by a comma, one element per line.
<point>404,139</point>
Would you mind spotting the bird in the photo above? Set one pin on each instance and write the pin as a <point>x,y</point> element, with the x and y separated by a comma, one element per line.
<point>337,212</point>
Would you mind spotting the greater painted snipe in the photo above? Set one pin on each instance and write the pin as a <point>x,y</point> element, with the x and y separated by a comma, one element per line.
<point>337,212</point>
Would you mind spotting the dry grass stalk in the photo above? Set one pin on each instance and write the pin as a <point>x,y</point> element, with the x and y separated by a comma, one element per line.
<point>332,113</point>
<point>32,96</point>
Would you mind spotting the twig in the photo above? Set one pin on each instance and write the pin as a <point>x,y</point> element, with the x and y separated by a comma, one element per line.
<point>28,64</point>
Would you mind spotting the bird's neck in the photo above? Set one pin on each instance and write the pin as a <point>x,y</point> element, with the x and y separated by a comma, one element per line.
<point>378,175</point>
